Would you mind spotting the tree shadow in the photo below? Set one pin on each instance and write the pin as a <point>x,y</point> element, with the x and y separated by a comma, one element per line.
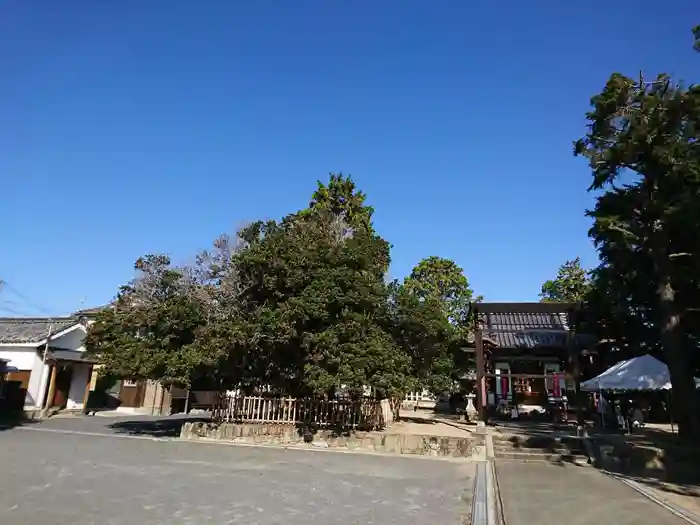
<point>555,443</point>
<point>650,456</point>
<point>10,420</point>
<point>307,431</point>
<point>164,427</point>
<point>417,419</point>
<point>653,457</point>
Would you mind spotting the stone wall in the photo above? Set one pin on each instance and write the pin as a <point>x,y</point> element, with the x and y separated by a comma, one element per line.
<point>472,447</point>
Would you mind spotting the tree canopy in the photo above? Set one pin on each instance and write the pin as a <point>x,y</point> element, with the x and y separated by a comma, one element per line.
<point>571,285</point>
<point>643,150</point>
<point>149,331</point>
<point>430,312</point>
<point>300,306</point>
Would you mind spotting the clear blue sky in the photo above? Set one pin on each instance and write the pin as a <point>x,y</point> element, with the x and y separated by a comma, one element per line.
<point>132,127</point>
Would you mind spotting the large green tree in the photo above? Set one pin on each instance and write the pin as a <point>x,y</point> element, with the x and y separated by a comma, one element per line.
<point>431,324</point>
<point>571,285</point>
<point>643,148</point>
<point>298,305</point>
<point>316,303</point>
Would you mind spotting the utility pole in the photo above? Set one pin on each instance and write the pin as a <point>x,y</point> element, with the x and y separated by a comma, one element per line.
<point>40,402</point>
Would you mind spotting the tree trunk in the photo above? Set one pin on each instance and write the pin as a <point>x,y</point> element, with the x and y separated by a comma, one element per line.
<point>680,365</point>
<point>395,405</point>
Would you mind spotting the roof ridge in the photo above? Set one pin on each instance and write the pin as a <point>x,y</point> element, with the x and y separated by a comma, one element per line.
<point>37,319</point>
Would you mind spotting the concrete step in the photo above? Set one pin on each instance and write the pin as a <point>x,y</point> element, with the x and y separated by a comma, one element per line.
<point>548,458</point>
<point>542,456</point>
<point>539,443</point>
<point>537,451</point>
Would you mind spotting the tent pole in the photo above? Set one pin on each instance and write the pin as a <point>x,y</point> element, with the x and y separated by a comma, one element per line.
<point>602,408</point>
<point>670,410</point>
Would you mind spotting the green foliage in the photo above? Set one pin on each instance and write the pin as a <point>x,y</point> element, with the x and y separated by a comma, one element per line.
<point>317,305</point>
<point>430,311</point>
<point>299,305</point>
<point>149,331</point>
<point>341,198</point>
<point>571,284</point>
<point>642,147</point>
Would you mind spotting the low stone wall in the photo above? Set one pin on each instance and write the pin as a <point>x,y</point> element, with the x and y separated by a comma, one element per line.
<point>472,447</point>
<point>612,453</point>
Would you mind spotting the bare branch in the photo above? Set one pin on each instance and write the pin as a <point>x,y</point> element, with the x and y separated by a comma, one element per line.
<point>621,230</point>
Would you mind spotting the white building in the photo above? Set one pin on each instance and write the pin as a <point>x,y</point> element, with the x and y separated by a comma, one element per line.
<point>47,357</point>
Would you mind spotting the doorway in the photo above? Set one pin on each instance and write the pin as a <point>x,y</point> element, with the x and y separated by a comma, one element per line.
<point>64,377</point>
<point>132,393</point>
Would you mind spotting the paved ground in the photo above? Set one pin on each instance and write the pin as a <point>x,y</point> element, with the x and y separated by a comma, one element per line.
<point>546,493</point>
<point>427,423</point>
<point>143,425</point>
<point>50,474</point>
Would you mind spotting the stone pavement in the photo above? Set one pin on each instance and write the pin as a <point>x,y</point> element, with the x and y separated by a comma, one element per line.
<point>83,471</point>
<point>427,423</point>
<point>539,493</point>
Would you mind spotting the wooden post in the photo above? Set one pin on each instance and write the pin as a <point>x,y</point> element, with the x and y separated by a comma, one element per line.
<point>162,399</point>
<point>87,388</point>
<point>575,365</point>
<point>52,388</point>
<point>480,373</point>
<point>155,393</point>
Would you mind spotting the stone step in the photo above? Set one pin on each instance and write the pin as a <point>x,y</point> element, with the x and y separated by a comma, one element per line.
<point>511,438</point>
<point>559,449</point>
<point>540,450</point>
<point>546,457</point>
<point>538,443</point>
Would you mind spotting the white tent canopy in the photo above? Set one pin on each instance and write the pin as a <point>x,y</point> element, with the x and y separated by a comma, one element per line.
<point>641,373</point>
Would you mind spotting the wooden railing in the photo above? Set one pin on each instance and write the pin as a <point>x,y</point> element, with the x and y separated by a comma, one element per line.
<point>322,413</point>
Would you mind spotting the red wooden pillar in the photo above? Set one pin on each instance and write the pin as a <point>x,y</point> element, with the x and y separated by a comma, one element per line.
<point>480,374</point>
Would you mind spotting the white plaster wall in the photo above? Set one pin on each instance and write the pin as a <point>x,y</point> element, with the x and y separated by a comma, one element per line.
<point>27,358</point>
<point>73,340</point>
<point>76,393</point>
<point>21,357</point>
<point>37,381</point>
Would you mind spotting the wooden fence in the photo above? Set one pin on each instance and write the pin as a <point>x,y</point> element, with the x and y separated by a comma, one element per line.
<point>322,413</point>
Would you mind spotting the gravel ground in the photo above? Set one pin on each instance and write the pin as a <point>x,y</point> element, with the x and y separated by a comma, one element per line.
<point>96,471</point>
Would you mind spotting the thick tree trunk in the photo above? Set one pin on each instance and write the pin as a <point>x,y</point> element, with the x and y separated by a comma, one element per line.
<point>686,409</point>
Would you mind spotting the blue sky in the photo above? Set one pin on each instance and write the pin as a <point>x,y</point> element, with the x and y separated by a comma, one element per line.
<point>134,127</point>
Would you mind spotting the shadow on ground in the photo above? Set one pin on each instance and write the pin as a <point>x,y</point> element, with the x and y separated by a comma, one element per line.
<point>416,419</point>
<point>457,421</point>
<point>557,444</point>
<point>166,427</point>
<point>654,457</point>
<point>650,456</point>
<point>8,422</point>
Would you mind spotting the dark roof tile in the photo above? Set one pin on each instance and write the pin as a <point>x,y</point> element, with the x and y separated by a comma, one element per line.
<point>88,312</point>
<point>60,354</point>
<point>31,330</point>
<point>525,330</point>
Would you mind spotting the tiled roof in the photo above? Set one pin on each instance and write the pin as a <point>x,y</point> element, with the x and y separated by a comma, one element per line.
<point>31,330</point>
<point>90,311</point>
<point>525,330</point>
<point>69,355</point>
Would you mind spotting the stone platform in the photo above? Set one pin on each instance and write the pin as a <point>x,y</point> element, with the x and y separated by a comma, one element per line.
<point>384,442</point>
